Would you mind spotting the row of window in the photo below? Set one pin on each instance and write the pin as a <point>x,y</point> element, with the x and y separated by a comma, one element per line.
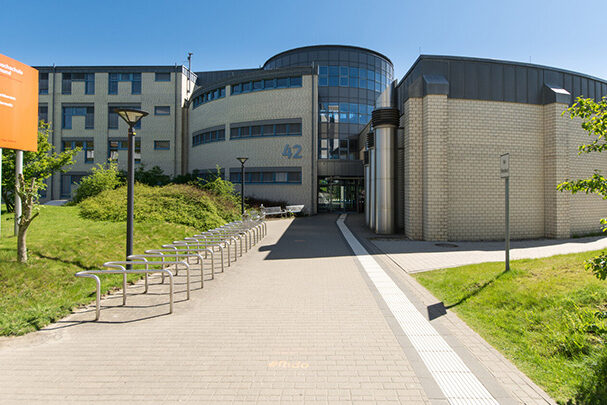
<point>210,96</point>
<point>209,136</point>
<point>89,81</point>
<point>250,131</point>
<point>89,114</point>
<point>266,177</point>
<point>345,112</point>
<point>266,84</point>
<point>88,147</point>
<point>345,76</point>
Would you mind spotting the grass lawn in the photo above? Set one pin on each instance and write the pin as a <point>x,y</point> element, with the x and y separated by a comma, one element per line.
<point>548,316</point>
<point>60,243</point>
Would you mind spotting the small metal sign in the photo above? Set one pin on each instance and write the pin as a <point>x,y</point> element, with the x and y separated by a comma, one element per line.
<point>505,165</point>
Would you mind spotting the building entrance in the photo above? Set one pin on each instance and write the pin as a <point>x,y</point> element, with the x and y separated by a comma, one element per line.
<point>340,194</point>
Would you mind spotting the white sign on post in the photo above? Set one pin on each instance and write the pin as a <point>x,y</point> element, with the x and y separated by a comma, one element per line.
<point>505,166</point>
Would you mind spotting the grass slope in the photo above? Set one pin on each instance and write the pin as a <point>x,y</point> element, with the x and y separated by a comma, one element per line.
<point>60,243</point>
<point>541,315</point>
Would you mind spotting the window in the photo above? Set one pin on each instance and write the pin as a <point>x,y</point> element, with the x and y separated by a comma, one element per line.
<point>134,78</point>
<point>116,145</point>
<point>267,84</point>
<point>162,110</point>
<point>43,113</point>
<point>162,145</point>
<point>87,78</point>
<point>113,118</point>
<point>208,136</point>
<point>210,96</point>
<point>163,76</point>
<point>87,112</point>
<point>344,76</point>
<point>43,83</point>
<point>280,129</point>
<point>67,180</point>
<point>87,146</point>
<point>267,176</point>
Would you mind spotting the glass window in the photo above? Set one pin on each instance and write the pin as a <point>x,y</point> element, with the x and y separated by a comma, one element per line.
<point>257,85</point>
<point>234,133</point>
<point>282,82</point>
<point>323,70</point>
<point>343,71</point>
<point>323,81</point>
<point>333,81</point>
<point>256,130</point>
<point>43,113</point>
<point>162,110</point>
<point>163,76</point>
<point>333,70</point>
<point>354,72</point>
<point>245,132</point>
<point>162,145</point>
<point>294,177</point>
<point>236,88</point>
<point>246,87</point>
<point>281,129</point>
<point>295,129</point>
<point>43,83</point>
<point>295,81</point>
<point>281,177</point>
<point>222,92</point>
<point>66,83</point>
<point>269,83</point>
<point>268,130</point>
<point>136,83</point>
<point>267,177</point>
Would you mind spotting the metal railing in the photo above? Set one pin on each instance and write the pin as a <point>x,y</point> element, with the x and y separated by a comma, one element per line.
<point>245,233</point>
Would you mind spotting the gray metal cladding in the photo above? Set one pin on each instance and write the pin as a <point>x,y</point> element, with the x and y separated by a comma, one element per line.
<point>494,80</point>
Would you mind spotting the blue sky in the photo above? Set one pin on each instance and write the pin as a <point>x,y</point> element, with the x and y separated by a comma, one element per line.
<point>229,34</point>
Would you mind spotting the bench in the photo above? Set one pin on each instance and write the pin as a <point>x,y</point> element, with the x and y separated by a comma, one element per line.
<point>273,211</point>
<point>294,209</point>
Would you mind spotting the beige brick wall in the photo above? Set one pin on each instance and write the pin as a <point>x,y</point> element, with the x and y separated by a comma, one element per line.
<point>452,149</point>
<point>585,210</point>
<point>411,121</point>
<point>264,151</point>
<point>435,134</point>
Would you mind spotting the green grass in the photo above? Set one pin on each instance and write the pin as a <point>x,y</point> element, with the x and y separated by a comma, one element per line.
<point>60,243</point>
<point>542,315</point>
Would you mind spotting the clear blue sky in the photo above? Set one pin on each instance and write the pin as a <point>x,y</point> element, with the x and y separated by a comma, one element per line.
<point>226,34</point>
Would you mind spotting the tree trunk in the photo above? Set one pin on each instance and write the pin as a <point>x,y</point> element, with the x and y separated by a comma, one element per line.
<point>22,244</point>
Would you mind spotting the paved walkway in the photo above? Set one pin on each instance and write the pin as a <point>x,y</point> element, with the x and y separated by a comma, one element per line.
<point>296,320</point>
<point>417,256</point>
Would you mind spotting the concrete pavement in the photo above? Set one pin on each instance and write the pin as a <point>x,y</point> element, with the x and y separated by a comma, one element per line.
<point>296,320</point>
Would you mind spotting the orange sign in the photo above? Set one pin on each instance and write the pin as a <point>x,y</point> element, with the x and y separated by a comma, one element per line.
<point>18,105</point>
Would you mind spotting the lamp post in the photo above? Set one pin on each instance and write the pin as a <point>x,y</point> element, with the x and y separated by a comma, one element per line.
<point>131,117</point>
<point>242,160</point>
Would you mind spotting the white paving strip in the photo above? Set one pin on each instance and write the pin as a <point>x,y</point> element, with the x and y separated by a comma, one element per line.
<point>456,380</point>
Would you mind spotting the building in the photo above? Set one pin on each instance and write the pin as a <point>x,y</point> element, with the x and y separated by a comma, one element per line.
<point>327,127</point>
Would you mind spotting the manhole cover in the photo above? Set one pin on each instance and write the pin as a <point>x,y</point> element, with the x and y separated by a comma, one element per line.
<point>449,245</point>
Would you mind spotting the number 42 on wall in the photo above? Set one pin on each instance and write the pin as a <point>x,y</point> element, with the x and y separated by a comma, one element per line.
<point>292,152</point>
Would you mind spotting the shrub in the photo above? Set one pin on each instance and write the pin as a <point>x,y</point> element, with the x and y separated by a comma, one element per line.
<point>102,178</point>
<point>177,203</point>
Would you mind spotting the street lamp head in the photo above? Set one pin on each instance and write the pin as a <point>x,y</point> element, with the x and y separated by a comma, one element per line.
<point>242,159</point>
<point>130,115</point>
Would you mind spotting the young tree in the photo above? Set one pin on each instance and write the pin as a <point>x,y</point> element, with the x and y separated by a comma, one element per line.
<point>37,167</point>
<point>594,121</point>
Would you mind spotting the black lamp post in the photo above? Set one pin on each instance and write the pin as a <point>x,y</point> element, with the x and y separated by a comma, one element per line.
<point>131,117</point>
<point>242,160</point>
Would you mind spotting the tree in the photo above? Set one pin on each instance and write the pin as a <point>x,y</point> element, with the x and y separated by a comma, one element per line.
<point>594,121</point>
<point>37,167</point>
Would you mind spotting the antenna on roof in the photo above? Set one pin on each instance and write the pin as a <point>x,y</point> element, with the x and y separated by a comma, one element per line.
<point>189,70</point>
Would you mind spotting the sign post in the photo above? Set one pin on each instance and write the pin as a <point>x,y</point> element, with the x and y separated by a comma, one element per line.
<point>505,174</point>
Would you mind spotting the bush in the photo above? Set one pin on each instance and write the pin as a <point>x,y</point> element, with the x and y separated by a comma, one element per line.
<point>104,177</point>
<point>177,204</point>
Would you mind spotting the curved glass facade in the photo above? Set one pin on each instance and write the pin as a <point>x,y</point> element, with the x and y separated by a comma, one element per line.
<point>349,81</point>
